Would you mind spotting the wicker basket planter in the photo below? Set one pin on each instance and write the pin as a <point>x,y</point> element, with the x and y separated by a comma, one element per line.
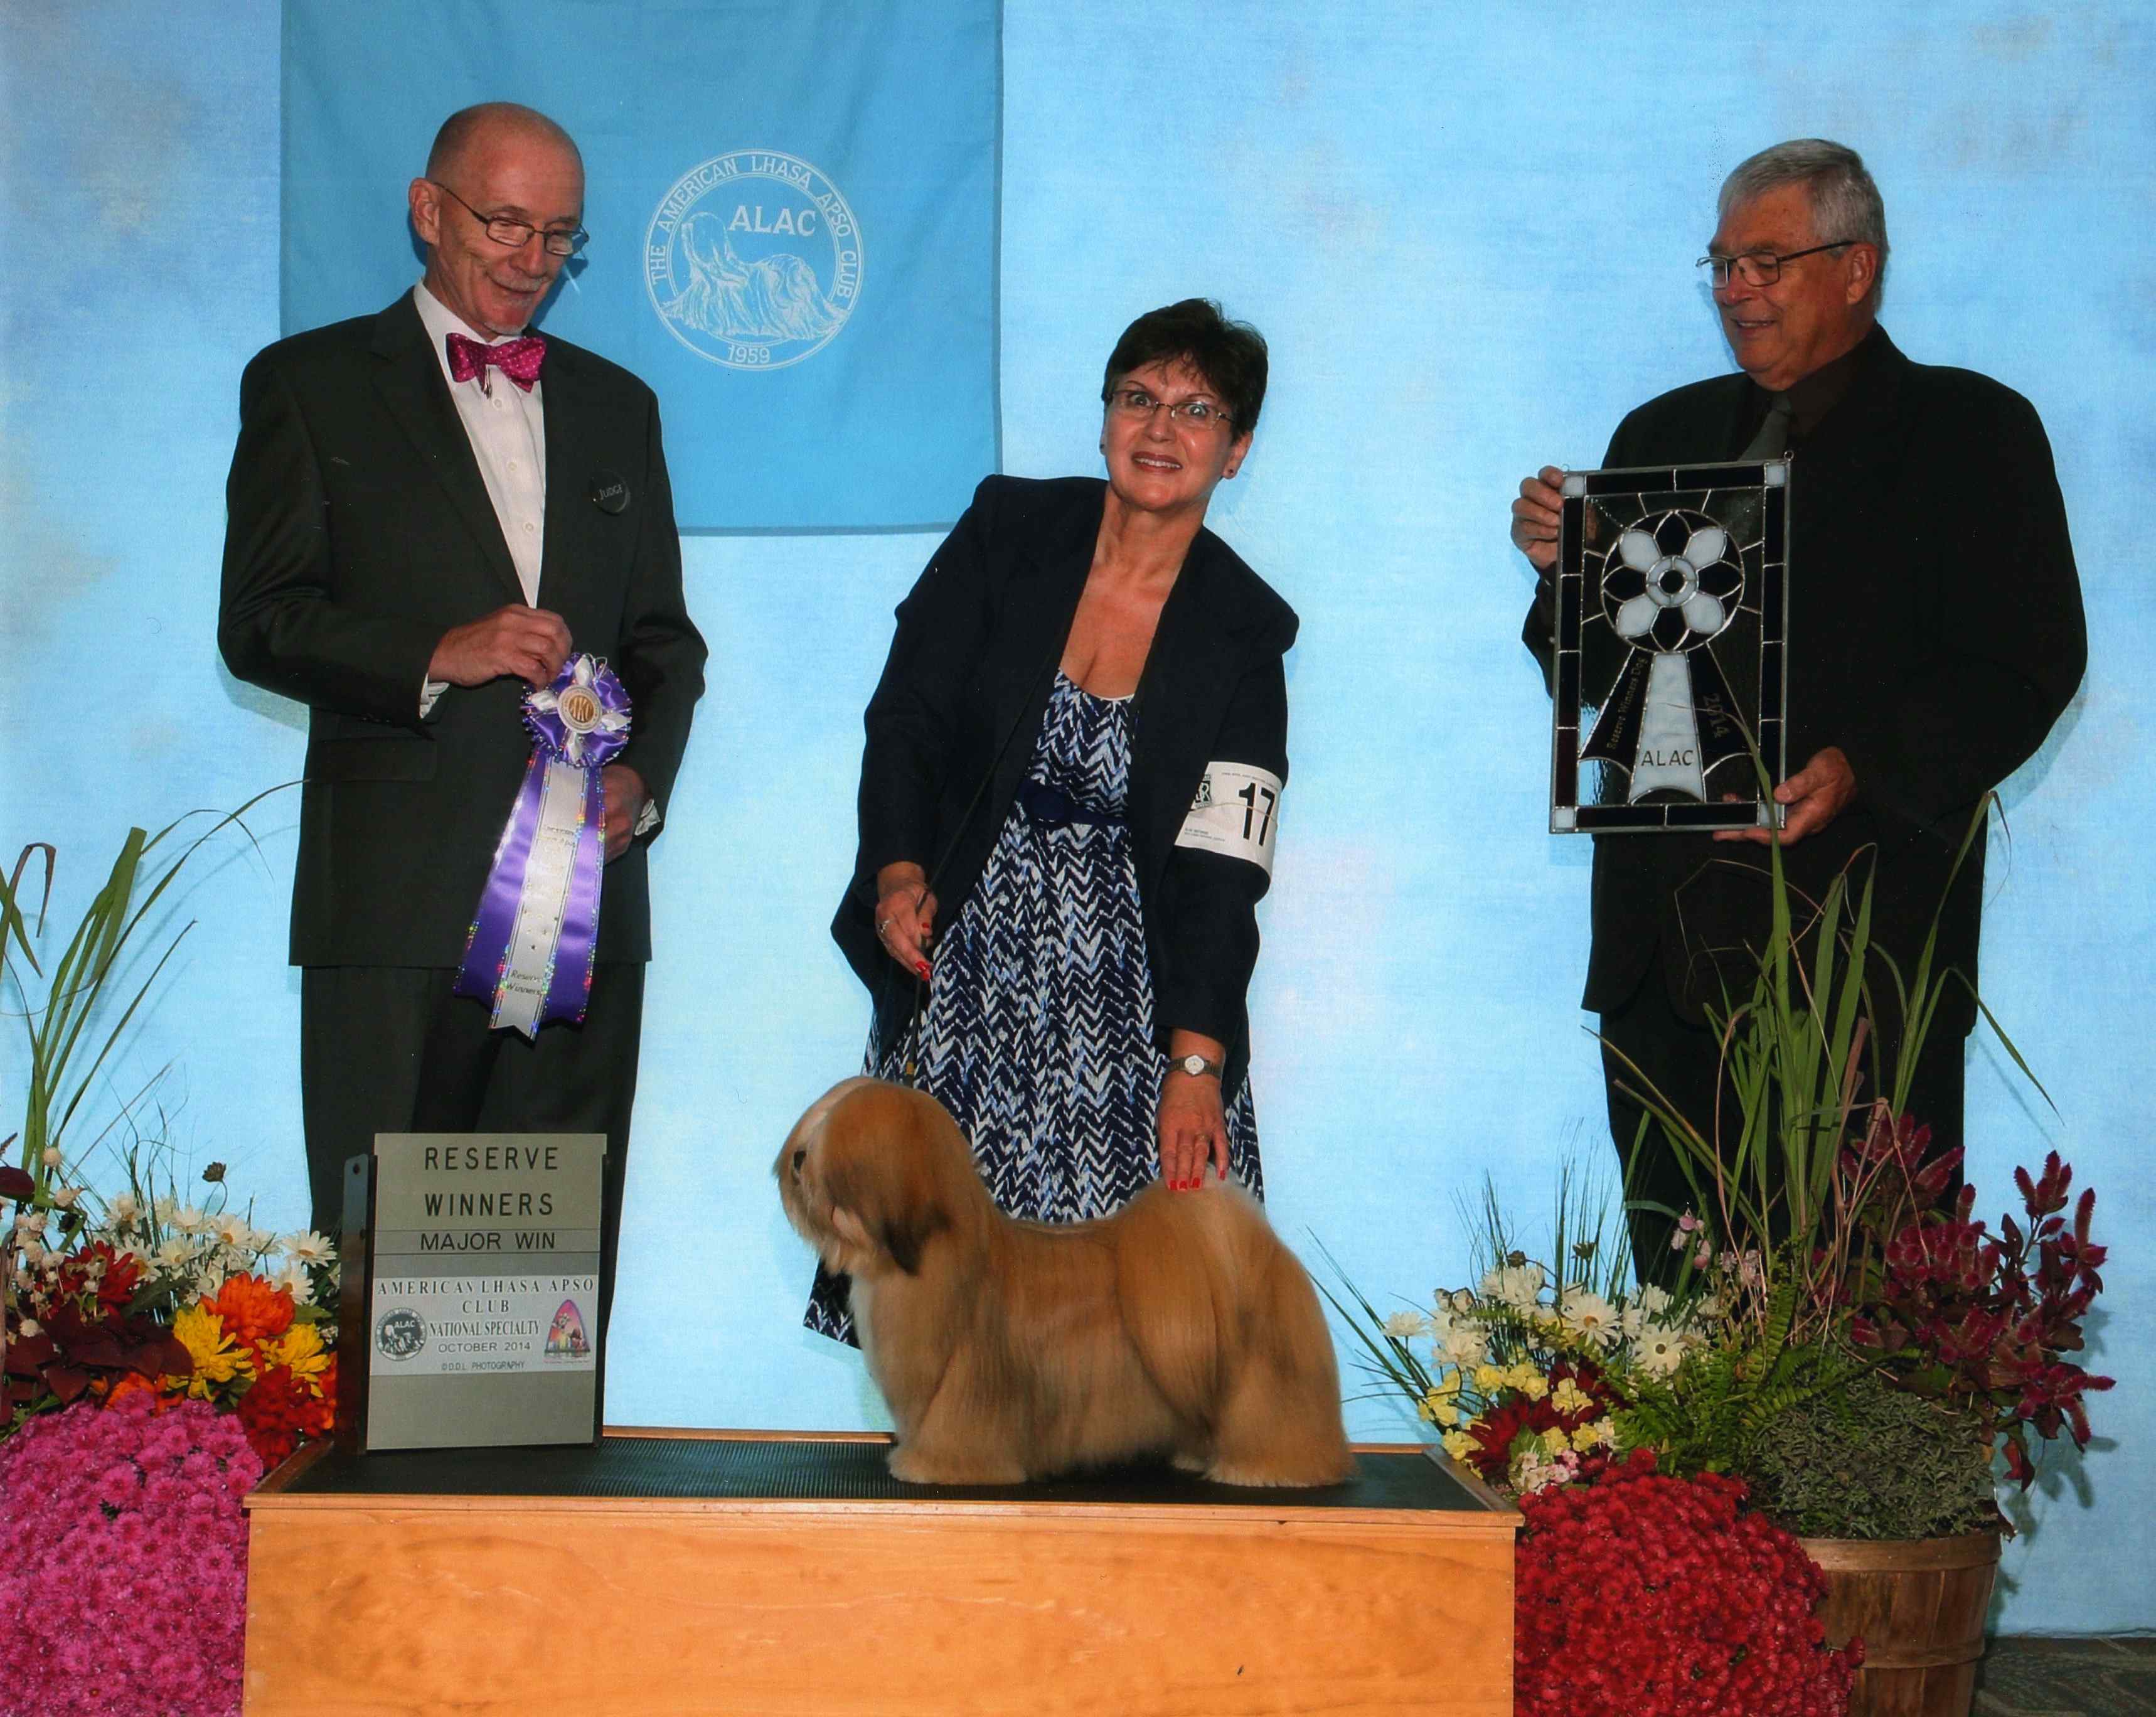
<point>1919,1605</point>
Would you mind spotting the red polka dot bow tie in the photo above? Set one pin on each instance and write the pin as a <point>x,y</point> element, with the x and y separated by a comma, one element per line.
<point>517,359</point>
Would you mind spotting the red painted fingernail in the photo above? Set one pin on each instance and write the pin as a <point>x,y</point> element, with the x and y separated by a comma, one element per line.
<point>922,967</point>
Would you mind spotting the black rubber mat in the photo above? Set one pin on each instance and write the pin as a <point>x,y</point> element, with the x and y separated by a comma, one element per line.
<point>786,1469</point>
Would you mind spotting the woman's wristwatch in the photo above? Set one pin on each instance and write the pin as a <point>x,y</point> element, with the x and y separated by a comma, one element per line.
<point>1196,1066</point>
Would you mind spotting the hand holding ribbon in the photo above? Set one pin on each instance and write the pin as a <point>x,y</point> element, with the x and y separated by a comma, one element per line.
<point>535,933</point>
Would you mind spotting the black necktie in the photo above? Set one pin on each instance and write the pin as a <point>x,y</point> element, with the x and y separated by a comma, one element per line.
<point>1772,440</point>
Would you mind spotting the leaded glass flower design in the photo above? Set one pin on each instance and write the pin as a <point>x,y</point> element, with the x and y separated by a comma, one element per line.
<point>1671,604</point>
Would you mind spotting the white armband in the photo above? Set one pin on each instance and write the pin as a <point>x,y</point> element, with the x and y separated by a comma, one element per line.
<point>1236,812</point>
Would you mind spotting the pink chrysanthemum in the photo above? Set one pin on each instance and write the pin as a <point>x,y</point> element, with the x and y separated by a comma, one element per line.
<point>126,1579</point>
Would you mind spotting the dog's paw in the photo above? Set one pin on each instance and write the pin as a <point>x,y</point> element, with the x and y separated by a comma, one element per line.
<point>1189,1461</point>
<point>1282,1475</point>
<point>912,1466</point>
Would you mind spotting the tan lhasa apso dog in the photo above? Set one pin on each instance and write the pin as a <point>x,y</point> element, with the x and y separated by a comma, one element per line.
<point>1007,1350</point>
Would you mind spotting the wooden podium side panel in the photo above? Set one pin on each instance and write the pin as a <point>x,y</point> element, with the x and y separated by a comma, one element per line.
<point>500,1611</point>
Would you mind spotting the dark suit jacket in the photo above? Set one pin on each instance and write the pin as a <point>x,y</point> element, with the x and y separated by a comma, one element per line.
<point>1935,634</point>
<point>358,532</point>
<point>960,703</point>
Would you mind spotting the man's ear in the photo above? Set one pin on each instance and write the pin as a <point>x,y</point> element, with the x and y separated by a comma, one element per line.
<point>1862,265</point>
<point>425,203</point>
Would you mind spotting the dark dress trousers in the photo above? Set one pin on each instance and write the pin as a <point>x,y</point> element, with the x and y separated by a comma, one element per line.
<point>360,531</point>
<point>1935,636</point>
<point>952,726</point>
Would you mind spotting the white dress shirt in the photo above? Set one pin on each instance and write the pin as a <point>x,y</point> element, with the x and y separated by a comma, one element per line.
<point>507,429</point>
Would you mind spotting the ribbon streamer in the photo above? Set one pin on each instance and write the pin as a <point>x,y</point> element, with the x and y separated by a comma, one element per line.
<point>535,932</point>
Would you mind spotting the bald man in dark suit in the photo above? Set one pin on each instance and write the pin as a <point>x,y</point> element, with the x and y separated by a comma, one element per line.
<point>428,513</point>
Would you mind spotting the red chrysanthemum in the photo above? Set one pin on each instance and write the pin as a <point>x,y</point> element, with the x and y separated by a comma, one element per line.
<point>276,1412</point>
<point>1648,1596</point>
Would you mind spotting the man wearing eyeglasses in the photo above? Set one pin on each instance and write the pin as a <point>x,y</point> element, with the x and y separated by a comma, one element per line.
<point>1935,636</point>
<point>429,509</point>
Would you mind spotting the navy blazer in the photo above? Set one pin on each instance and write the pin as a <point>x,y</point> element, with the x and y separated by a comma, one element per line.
<point>359,532</point>
<point>952,727</point>
<point>1935,634</point>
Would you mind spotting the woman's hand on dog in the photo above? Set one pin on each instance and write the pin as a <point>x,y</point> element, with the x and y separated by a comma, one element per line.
<point>904,916</point>
<point>1194,1125</point>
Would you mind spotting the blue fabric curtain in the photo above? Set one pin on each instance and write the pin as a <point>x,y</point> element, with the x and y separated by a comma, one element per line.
<point>792,212</point>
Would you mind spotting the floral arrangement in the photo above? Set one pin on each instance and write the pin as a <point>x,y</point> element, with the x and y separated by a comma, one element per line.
<point>1526,1377</point>
<point>1648,1596</point>
<point>125,1582</point>
<point>143,1295</point>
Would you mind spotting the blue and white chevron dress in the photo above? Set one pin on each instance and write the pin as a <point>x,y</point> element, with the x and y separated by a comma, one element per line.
<point>1038,1031</point>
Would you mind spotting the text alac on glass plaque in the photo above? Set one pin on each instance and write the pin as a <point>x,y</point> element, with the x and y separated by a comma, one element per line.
<point>1670,662</point>
<point>476,1297</point>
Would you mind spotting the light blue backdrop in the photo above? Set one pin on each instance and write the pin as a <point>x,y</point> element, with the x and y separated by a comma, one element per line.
<point>1468,232</point>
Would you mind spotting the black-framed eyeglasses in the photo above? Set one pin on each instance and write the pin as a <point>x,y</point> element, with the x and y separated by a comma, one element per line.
<point>1761,268</point>
<point>1195,412</point>
<point>516,235</point>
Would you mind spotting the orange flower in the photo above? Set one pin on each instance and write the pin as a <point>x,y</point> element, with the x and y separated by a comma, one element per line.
<point>132,1383</point>
<point>253,1309</point>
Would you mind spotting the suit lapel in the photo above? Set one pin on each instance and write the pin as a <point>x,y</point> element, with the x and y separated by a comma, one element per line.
<point>571,514</point>
<point>1858,447</point>
<point>410,382</point>
<point>1180,694</point>
<point>1036,625</point>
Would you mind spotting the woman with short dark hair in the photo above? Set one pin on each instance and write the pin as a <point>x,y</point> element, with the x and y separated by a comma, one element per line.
<point>1069,800</point>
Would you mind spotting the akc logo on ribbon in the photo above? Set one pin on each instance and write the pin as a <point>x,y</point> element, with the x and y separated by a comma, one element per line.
<point>753,260</point>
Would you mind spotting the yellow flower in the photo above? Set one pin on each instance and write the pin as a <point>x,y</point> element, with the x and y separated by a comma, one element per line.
<point>301,1347</point>
<point>1530,1382</point>
<point>201,1332</point>
<point>1555,1440</point>
<point>1570,1397</point>
<point>1591,1437</point>
<point>1439,1409</point>
<point>1458,1444</point>
<point>1490,1379</point>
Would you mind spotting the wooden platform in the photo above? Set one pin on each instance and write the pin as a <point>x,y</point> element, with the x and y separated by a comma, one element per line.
<point>750,1574</point>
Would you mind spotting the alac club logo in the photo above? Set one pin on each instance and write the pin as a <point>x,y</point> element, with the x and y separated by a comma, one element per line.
<point>753,260</point>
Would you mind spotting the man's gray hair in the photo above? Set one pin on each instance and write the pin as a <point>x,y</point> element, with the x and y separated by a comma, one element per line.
<point>1845,203</point>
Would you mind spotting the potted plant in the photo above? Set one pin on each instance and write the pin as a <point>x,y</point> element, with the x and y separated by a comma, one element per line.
<point>1823,1220</point>
<point>1640,1590</point>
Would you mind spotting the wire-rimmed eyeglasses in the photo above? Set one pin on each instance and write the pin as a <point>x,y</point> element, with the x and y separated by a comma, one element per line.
<point>516,235</point>
<point>1761,268</point>
<point>1195,412</point>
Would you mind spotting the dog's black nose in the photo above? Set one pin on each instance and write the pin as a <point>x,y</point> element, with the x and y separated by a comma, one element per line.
<point>800,1156</point>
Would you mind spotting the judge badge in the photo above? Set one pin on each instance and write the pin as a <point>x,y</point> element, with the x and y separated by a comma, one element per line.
<point>535,933</point>
<point>1668,669</point>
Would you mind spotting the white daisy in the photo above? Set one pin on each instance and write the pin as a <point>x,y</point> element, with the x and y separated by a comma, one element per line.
<point>1660,1351</point>
<point>1590,1316</point>
<point>308,1249</point>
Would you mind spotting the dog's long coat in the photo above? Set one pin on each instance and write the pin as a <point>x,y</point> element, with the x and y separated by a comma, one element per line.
<point>1008,1350</point>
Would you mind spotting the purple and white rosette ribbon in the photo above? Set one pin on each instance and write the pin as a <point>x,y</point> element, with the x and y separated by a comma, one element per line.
<point>535,932</point>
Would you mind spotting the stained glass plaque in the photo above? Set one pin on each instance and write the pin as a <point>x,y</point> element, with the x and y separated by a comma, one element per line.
<point>1671,648</point>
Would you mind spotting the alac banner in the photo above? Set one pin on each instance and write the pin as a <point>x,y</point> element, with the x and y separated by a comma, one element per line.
<point>792,207</point>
